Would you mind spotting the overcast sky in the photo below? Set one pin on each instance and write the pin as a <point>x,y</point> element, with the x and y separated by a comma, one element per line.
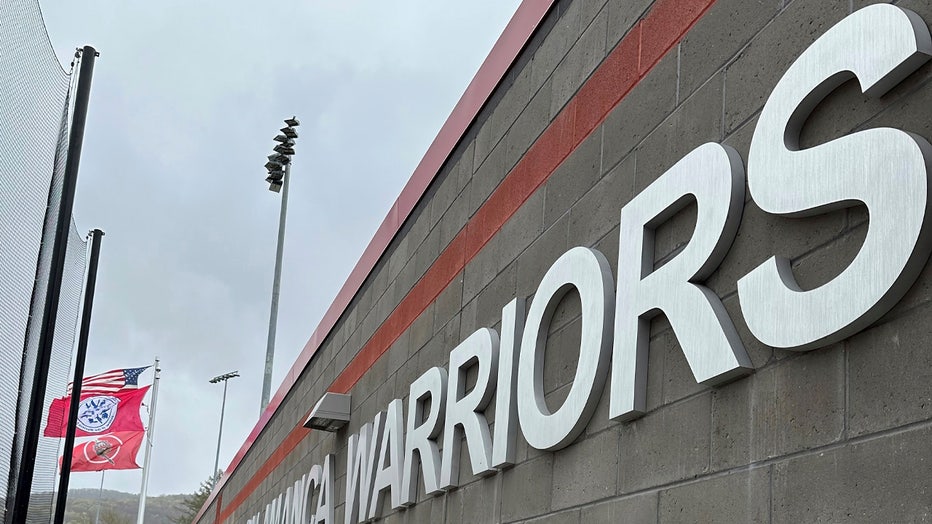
<point>186,98</point>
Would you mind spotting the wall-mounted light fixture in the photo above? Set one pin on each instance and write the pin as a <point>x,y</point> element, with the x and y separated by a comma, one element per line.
<point>331,413</point>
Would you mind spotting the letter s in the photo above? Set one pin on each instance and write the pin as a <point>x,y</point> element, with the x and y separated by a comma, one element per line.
<point>886,169</point>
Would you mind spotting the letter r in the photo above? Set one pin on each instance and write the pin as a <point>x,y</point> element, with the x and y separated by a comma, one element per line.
<point>713,175</point>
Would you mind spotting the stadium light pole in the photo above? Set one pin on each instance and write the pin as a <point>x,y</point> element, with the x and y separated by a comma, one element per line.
<point>223,405</point>
<point>279,173</point>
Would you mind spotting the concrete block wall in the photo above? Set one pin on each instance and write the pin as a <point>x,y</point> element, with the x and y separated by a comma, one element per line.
<point>841,433</point>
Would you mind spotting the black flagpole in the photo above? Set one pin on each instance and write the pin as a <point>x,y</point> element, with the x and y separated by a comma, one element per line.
<point>79,359</point>
<point>20,508</point>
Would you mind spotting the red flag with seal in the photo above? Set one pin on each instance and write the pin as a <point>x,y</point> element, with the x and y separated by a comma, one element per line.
<point>98,414</point>
<point>110,451</point>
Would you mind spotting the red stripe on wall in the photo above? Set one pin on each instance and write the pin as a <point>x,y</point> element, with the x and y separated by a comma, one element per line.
<point>635,56</point>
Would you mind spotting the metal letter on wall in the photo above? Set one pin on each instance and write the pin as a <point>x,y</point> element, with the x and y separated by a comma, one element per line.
<point>296,513</point>
<point>423,429</point>
<point>885,169</point>
<point>465,410</point>
<point>273,510</point>
<point>288,505</point>
<point>504,440</point>
<point>392,450</point>
<point>588,271</point>
<point>713,175</point>
<point>311,482</point>
<point>325,500</point>
<point>361,453</point>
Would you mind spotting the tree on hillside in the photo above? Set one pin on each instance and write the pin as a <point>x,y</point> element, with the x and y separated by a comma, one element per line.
<point>193,502</point>
<point>109,516</point>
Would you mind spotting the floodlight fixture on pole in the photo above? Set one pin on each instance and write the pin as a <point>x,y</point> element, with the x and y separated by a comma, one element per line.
<point>278,177</point>
<point>224,377</point>
<point>284,149</point>
<point>221,378</point>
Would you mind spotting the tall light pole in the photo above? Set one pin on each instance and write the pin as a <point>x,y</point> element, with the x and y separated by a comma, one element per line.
<point>221,378</point>
<point>279,173</point>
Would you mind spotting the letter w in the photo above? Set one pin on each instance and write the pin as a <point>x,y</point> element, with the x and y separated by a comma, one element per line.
<point>363,448</point>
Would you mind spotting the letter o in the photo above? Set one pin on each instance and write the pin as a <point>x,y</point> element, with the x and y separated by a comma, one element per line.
<point>588,271</point>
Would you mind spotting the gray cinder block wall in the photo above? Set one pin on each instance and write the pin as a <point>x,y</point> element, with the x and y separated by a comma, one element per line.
<point>839,434</point>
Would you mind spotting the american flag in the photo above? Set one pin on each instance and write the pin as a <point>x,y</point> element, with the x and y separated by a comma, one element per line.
<point>110,382</point>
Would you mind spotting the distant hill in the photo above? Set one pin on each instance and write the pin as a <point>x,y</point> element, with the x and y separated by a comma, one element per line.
<point>117,507</point>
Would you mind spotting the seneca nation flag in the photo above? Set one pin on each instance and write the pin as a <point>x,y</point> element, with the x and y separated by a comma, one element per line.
<point>98,413</point>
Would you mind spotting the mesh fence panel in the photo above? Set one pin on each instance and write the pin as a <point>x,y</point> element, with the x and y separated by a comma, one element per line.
<point>47,451</point>
<point>45,475</point>
<point>33,150</point>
